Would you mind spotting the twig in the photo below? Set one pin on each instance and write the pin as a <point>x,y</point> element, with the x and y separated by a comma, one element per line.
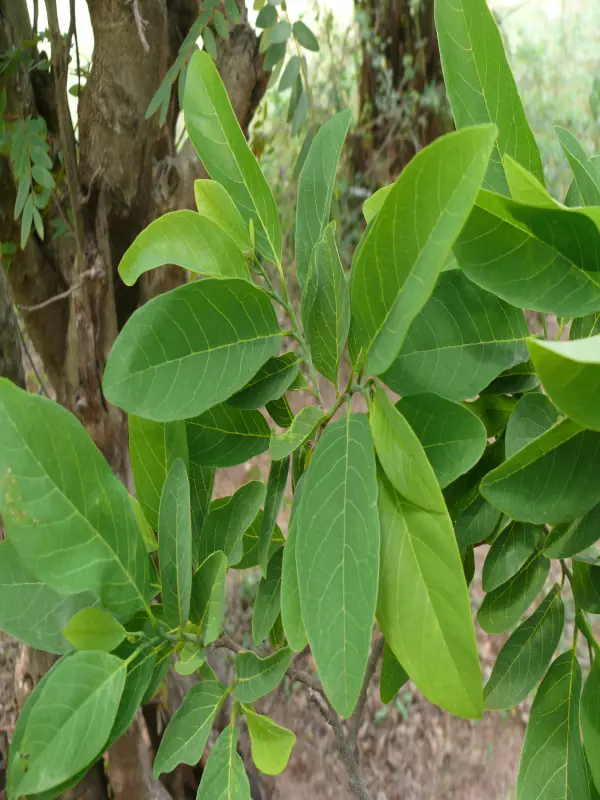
<point>86,197</point>
<point>65,125</point>
<point>87,275</point>
<point>357,786</point>
<point>31,361</point>
<point>356,717</point>
<point>73,35</point>
<point>36,14</point>
<point>140,24</point>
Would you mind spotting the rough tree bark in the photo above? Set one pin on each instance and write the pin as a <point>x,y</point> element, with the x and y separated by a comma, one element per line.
<point>401,99</point>
<point>123,172</point>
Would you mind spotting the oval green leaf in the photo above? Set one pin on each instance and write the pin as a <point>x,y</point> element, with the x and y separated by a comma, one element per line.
<point>175,546</point>
<point>452,436</point>
<point>184,740</point>
<point>423,605</point>
<point>271,744</point>
<point>68,516</point>
<point>188,240</point>
<point>256,676</point>
<point>68,724</point>
<point>526,655</point>
<point>214,202</point>
<point>94,629</point>
<point>189,349</point>
<point>503,607</point>
<point>570,374</point>
<point>225,436</point>
<point>404,249</point>
<point>463,338</point>
<point>337,551</point>
<point>509,552</point>
<point>552,479</point>
<point>534,414</point>
<point>222,147</point>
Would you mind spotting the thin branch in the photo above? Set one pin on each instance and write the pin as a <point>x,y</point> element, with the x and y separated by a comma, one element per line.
<point>356,717</point>
<point>73,35</point>
<point>32,362</point>
<point>140,24</point>
<point>317,696</point>
<point>86,276</point>
<point>67,137</point>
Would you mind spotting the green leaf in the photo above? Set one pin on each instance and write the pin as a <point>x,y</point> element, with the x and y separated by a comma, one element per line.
<point>164,659</point>
<point>22,195</point>
<point>278,475</point>
<point>267,17</point>
<point>139,675</point>
<point>423,605</point>
<point>533,416</point>
<point>229,517</point>
<point>22,596</point>
<point>186,734</point>
<point>337,549</point>
<point>583,327</point>
<point>166,371</point>
<point>315,188</point>
<point>280,32</point>
<point>453,437</point>
<point>147,450</point>
<point>268,600</point>
<point>210,45</point>
<point>570,374</point>
<point>271,744</point>
<point>250,540</point>
<point>462,339</point>
<point>510,551</point>
<point>305,37</point>
<point>494,411</point>
<point>220,24</point>
<point>224,436</point>
<point>65,722</point>
<point>280,412</point>
<point>393,676</point>
<point>526,655</point>
<point>188,240</point>
<point>552,479</point>
<point>68,516</point>
<point>303,426</point>
<point>503,607</point>
<point>515,380</point>
<point>224,776</point>
<point>553,762</point>
<point>290,74</point>
<point>585,171</point>
<point>372,205</point>
<point>271,381</point>
<point>590,719</point>
<point>291,611</point>
<point>175,545</point>
<point>404,249</point>
<point>94,629</point>
<point>274,55</point>
<point>256,676</point>
<point>219,141</point>
<point>586,585</point>
<point>191,658</point>
<point>26,221</point>
<point>208,596</point>
<point>536,253</point>
<point>565,541</point>
<point>326,306</point>
<point>233,11</point>
<point>480,85</point>
<point>144,527</point>
<point>42,176</point>
<point>214,203</point>
<point>202,481</point>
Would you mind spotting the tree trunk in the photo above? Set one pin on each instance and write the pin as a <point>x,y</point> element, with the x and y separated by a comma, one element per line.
<point>401,96</point>
<point>122,173</point>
